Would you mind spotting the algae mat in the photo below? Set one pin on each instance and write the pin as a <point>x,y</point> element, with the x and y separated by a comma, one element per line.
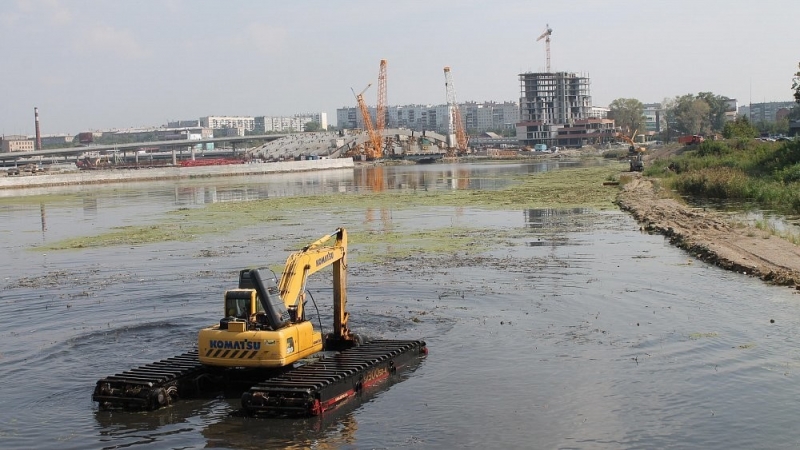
<point>562,188</point>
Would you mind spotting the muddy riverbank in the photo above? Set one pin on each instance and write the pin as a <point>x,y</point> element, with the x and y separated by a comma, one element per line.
<point>710,237</point>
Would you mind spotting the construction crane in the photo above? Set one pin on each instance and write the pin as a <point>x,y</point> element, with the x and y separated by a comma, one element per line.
<point>380,117</point>
<point>373,150</point>
<point>456,123</point>
<point>546,36</point>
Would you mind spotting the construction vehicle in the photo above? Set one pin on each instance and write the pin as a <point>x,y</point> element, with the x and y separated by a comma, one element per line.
<point>374,148</point>
<point>635,153</point>
<point>266,343</point>
<point>690,139</point>
<point>633,148</point>
<point>637,163</point>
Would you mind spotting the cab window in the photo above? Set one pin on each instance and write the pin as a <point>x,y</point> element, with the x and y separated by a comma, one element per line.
<point>238,307</point>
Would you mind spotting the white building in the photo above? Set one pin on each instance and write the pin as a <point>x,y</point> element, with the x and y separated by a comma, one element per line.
<point>290,124</point>
<point>246,123</point>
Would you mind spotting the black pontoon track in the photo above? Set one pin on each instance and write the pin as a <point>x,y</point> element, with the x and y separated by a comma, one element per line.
<point>309,389</point>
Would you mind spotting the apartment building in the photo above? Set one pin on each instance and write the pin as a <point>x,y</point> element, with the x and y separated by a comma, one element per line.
<point>766,111</point>
<point>478,117</point>
<point>244,123</point>
<point>289,124</point>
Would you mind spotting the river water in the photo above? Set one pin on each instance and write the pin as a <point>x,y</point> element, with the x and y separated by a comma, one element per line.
<point>576,331</point>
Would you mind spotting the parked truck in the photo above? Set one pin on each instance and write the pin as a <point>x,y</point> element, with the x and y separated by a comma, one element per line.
<point>690,139</point>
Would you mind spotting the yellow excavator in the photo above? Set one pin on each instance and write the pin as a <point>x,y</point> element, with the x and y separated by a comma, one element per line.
<point>266,341</point>
<point>635,153</point>
<point>265,323</point>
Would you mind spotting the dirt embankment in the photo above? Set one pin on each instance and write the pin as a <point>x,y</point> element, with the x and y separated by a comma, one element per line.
<point>708,236</point>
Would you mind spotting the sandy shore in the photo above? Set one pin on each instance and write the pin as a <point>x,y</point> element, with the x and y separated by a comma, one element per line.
<point>710,237</point>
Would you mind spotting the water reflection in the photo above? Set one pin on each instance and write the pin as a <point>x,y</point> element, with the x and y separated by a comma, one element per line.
<point>89,205</point>
<point>542,218</point>
<point>550,224</point>
<point>750,214</point>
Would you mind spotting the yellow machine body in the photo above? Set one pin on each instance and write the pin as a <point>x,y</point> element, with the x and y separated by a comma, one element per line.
<point>264,322</point>
<point>238,347</point>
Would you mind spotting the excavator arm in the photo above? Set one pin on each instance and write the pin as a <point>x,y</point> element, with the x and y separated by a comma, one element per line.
<point>311,259</point>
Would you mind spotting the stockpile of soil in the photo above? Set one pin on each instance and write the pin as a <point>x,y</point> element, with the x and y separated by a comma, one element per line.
<point>710,237</point>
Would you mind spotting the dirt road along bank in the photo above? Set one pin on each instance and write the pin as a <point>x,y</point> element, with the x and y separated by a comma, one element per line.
<point>710,237</point>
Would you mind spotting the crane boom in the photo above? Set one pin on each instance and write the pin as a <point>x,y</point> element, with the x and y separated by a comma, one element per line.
<point>456,124</point>
<point>546,36</point>
<point>380,117</point>
<point>373,150</point>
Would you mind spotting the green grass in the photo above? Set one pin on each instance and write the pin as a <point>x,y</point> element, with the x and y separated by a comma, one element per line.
<point>765,174</point>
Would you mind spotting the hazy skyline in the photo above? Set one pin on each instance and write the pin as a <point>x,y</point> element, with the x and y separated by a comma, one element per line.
<point>93,65</point>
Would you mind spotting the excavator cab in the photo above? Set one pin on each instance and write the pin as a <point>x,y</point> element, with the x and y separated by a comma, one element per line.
<point>242,306</point>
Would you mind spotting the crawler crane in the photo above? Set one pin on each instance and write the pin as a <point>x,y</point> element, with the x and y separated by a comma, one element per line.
<point>266,342</point>
<point>456,123</point>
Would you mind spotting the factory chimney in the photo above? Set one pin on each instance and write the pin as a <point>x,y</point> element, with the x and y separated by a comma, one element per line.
<point>38,133</point>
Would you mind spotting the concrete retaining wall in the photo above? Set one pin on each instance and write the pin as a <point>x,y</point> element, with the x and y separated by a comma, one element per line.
<point>165,173</point>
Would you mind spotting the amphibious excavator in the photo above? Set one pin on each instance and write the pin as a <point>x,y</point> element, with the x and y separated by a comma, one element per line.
<point>266,345</point>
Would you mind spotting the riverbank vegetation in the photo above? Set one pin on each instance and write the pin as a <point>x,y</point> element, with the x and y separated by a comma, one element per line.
<point>763,174</point>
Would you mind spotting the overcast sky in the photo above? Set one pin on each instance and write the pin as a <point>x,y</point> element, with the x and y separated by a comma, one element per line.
<point>94,65</point>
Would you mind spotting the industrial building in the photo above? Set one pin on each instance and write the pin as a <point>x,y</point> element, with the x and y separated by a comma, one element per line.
<point>13,143</point>
<point>556,110</point>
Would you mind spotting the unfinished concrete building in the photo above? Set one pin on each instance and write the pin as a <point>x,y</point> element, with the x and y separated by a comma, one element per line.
<point>555,110</point>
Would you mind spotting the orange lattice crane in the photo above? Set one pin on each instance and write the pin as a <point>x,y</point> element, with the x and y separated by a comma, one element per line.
<point>373,149</point>
<point>462,140</point>
<point>546,36</point>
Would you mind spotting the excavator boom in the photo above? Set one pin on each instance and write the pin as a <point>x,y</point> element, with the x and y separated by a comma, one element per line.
<point>309,260</point>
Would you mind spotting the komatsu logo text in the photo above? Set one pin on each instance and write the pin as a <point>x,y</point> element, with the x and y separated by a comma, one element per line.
<point>323,259</point>
<point>235,345</point>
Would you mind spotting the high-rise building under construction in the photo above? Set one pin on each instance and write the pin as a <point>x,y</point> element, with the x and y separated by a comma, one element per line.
<point>555,109</point>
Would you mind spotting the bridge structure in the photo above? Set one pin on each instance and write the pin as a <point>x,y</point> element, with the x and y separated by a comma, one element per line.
<point>173,145</point>
<point>401,142</point>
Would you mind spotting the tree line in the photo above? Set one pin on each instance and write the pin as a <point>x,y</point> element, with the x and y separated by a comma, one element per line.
<point>703,113</point>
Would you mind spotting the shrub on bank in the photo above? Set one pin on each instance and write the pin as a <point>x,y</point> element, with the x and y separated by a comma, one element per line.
<point>763,173</point>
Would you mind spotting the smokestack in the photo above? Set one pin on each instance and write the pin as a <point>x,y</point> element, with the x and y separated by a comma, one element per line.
<point>38,133</point>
